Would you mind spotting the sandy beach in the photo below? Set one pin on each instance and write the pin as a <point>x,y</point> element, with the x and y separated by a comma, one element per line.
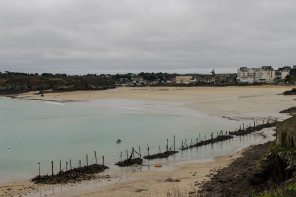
<point>232,101</point>
<point>238,103</point>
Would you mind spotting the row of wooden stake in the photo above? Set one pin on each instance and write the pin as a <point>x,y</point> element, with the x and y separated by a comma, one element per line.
<point>70,163</point>
<point>148,149</point>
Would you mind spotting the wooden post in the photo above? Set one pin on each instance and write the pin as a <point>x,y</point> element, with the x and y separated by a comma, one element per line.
<point>167,146</point>
<point>148,150</point>
<point>79,163</point>
<point>254,123</point>
<point>212,135</point>
<point>133,152</point>
<point>205,137</point>
<point>70,165</point>
<point>39,168</point>
<point>196,140</point>
<point>60,165</point>
<point>126,154</point>
<point>240,127</point>
<point>243,126</point>
<point>52,168</point>
<point>86,160</point>
<point>185,142</point>
<point>182,145</point>
<point>174,143</point>
<point>96,157</point>
<point>103,160</point>
<point>66,165</point>
<point>121,156</point>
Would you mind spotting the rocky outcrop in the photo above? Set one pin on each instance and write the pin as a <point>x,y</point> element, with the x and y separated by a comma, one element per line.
<point>290,92</point>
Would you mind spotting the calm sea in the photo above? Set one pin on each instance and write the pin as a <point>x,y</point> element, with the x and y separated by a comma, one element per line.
<point>43,131</point>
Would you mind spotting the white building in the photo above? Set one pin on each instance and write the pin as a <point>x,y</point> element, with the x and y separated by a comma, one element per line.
<point>282,73</point>
<point>185,79</point>
<point>265,74</point>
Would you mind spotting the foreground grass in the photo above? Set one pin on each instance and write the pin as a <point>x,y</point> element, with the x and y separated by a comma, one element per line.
<point>286,191</point>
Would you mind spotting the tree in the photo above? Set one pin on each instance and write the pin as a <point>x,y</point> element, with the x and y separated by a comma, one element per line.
<point>288,78</point>
<point>293,73</point>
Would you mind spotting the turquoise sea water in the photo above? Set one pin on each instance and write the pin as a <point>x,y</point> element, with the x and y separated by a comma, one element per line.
<point>43,131</point>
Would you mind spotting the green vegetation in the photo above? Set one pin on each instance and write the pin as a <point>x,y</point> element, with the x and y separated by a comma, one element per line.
<point>284,139</point>
<point>291,78</point>
<point>286,191</point>
<point>278,167</point>
<point>13,82</point>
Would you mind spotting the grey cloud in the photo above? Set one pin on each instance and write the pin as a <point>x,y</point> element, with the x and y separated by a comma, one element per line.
<point>96,36</point>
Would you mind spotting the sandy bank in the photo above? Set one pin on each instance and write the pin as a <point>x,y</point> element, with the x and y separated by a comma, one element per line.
<point>246,102</point>
<point>161,93</point>
<point>153,183</point>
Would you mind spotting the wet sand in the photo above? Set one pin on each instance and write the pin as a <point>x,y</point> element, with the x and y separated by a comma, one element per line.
<point>152,183</point>
<point>234,102</point>
<point>259,102</point>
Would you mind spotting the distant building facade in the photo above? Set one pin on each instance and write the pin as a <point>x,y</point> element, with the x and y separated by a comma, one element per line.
<point>185,79</point>
<point>265,74</point>
<point>137,79</point>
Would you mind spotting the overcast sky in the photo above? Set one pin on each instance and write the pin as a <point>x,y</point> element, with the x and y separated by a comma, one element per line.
<point>120,36</point>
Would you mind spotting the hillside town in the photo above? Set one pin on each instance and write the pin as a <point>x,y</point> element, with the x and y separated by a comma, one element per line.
<point>244,76</point>
<point>264,74</point>
<point>14,82</point>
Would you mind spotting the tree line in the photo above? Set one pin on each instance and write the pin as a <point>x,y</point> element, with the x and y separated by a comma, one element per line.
<point>16,82</point>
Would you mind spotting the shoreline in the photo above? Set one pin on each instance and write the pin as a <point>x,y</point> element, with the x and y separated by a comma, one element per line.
<point>210,106</point>
<point>220,101</point>
<point>89,188</point>
<point>184,177</point>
